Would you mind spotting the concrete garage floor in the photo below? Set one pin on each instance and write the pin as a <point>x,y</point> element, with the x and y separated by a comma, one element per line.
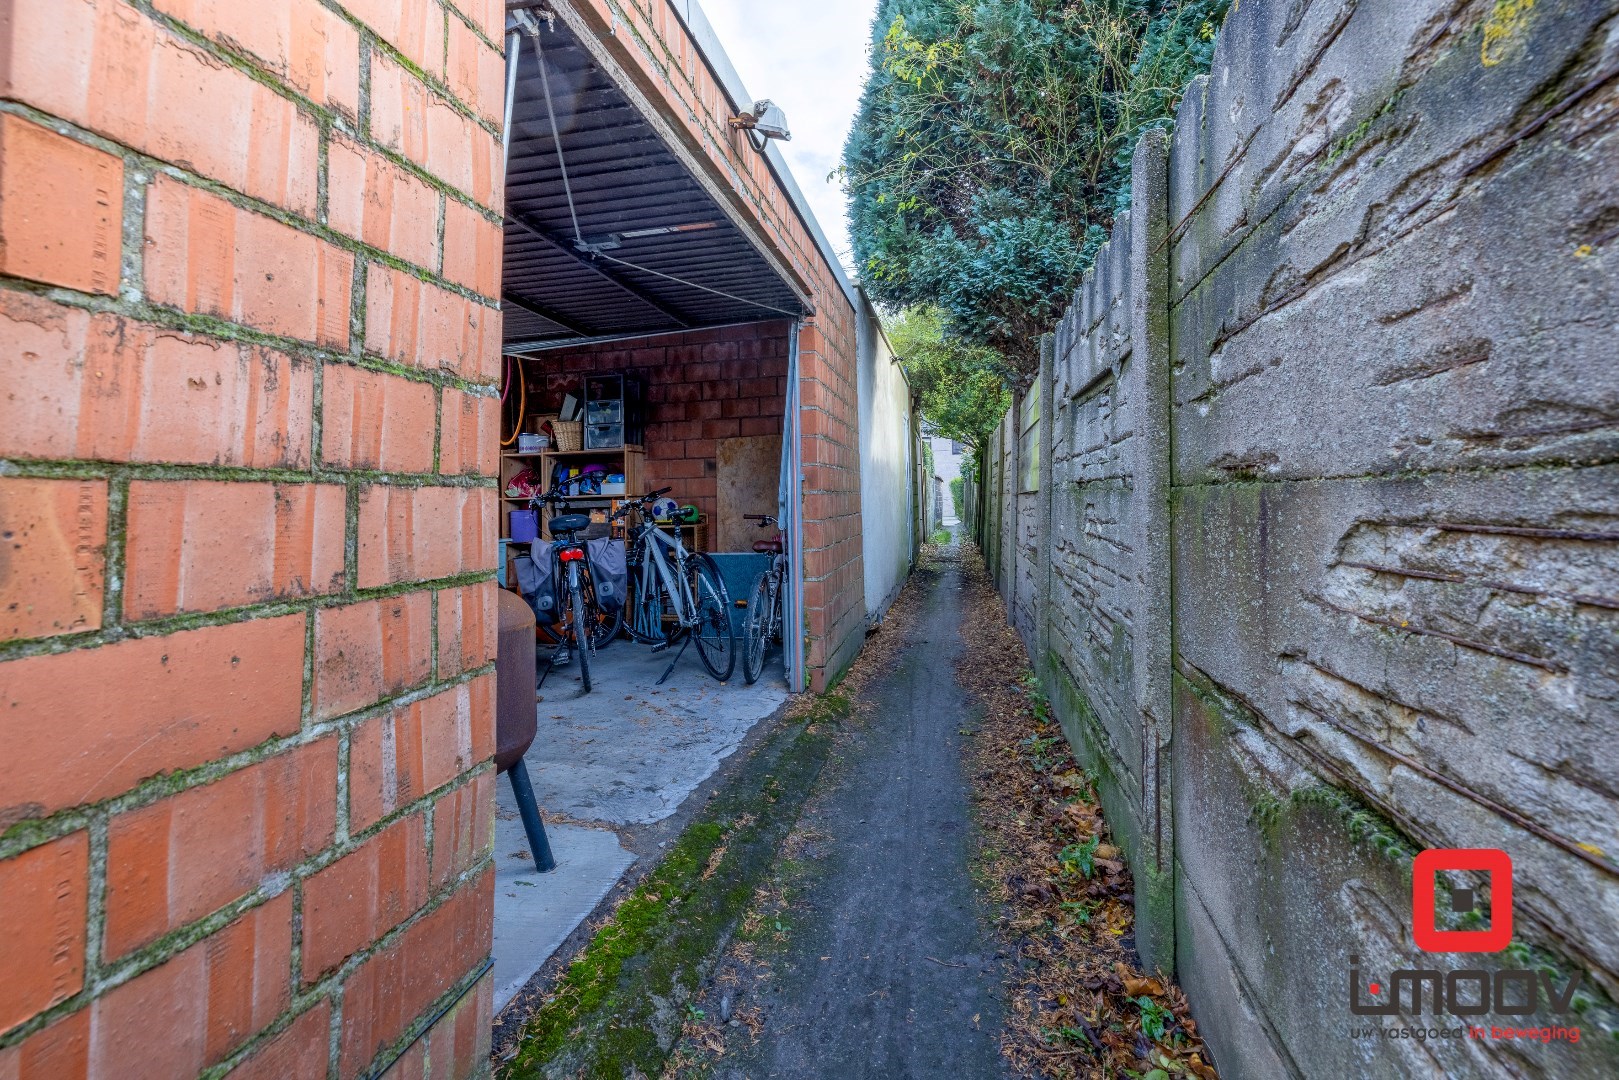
<point>605,766</point>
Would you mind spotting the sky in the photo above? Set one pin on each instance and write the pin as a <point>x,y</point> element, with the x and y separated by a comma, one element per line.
<point>809,57</point>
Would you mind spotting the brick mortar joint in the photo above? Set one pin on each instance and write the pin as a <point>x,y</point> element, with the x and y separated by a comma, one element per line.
<point>30,833</point>
<point>166,626</point>
<point>138,162</point>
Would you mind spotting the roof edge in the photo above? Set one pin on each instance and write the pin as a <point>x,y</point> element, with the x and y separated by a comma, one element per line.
<point>695,20</point>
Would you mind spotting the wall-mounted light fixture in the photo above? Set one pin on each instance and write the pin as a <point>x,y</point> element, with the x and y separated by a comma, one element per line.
<point>765,119</point>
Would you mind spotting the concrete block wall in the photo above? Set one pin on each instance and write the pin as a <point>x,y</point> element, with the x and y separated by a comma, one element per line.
<point>701,386</point>
<point>1366,405</point>
<point>249,256</point>
<point>647,49</point>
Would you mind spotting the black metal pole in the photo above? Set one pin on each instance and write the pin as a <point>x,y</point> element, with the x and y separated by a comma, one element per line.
<point>538,845</point>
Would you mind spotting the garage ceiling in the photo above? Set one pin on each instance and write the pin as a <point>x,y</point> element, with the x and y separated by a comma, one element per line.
<point>666,257</point>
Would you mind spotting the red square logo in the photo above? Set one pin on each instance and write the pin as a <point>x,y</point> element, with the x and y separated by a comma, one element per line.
<point>1430,938</point>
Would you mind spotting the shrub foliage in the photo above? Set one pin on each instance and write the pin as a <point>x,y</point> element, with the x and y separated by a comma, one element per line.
<point>992,150</point>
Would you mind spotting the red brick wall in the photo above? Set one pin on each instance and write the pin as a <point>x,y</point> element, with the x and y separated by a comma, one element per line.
<point>700,387</point>
<point>248,341</point>
<point>646,41</point>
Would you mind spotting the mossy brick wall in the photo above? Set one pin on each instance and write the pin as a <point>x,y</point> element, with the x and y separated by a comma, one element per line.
<point>249,256</point>
<point>1349,363</point>
<point>643,44</point>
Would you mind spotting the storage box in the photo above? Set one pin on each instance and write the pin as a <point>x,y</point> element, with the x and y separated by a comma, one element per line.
<point>525,526</point>
<point>610,487</point>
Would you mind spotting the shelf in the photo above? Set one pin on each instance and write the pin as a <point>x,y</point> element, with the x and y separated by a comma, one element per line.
<point>569,498</point>
<point>593,453</point>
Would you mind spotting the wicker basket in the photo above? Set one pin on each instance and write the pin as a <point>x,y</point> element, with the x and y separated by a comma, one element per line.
<point>570,434</point>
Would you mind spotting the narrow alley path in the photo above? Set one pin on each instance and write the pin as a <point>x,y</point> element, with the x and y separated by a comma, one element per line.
<point>890,966</point>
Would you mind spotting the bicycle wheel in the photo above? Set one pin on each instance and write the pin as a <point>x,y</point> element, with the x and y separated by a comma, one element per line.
<point>645,608</point>
<point>716,642</point>
<point>581,625</point>
<point>604,624</point>
<point>756,630</point>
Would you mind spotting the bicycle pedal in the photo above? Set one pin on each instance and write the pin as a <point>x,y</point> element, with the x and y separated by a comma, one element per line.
<point>660,646</point>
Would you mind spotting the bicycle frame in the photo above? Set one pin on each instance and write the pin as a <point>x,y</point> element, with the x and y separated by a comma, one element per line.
<point>671,578</point>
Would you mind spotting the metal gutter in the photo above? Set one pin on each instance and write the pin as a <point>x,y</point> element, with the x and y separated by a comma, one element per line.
<point>691,15</point>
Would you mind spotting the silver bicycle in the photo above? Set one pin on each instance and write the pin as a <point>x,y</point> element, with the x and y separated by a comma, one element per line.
<point>676,594</point>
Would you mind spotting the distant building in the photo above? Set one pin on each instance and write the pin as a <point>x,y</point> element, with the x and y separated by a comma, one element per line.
<point>947,458</point>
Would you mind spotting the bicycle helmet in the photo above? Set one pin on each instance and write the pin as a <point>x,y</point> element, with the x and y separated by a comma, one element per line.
<point>665,509</point>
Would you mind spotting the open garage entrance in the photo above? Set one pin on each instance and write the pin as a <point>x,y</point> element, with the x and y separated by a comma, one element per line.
<point>649,342</point>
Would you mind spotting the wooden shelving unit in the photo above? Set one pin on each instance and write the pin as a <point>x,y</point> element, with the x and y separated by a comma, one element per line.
<point>626,460</point>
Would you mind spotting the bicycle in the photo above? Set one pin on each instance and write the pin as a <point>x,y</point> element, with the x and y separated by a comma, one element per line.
<point>766,615</point>
<point>670,584</point>
<point>589,625</point>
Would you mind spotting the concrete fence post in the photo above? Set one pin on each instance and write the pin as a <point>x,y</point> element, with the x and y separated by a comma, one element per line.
<point>1149,329</point>
<point>1042,577</point>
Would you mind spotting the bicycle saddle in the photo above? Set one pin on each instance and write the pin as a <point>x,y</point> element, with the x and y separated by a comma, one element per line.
<point>567,523</point>
<point>768,547</point>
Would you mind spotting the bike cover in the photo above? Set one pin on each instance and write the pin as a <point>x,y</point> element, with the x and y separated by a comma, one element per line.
<point>537,580</point>
<point>608,572</point>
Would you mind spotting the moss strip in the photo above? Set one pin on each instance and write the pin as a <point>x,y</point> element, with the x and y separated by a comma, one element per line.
<point>617,1010</point>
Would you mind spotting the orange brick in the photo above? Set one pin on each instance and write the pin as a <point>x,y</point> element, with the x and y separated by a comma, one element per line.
<point>86,725</point>
<point>489,15</point>
<point>391,989</point>
<point>420,325</point>
<point>421,534</point>
<point>202,545</point>
<point>463,828</point>
<point>410,119</point>
<point>61,209</point>
<point>183,857</point>
<point>412,1064</point>
<point>363,895</point>
<point>310,47</point>
<point>301,1050</point>
<point>476,73</point>
<point>106,66</point>
<point>370,420</point>
<point>469,434</point>
<point>205,255</point>
<point>460,1041</point>
<point>466,628</point>
<point>366,652</point>
<point>103,387</point>
<point>60,1051</point>
<point>191,1012</point>
<point>377,202</point>
<point>42,927</point>
<point>53,540</point>
<point>414,27</point>
<point>473,250</point>
<point>418,748</point>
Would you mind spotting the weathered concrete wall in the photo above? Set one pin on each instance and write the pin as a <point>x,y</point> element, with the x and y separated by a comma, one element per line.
<point>1333,562</point>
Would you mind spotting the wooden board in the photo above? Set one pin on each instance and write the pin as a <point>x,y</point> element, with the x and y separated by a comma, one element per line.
<point>748,475</point>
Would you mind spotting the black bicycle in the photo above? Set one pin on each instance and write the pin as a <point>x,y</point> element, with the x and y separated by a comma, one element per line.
<point>584,625</point>
<point>765,619</point>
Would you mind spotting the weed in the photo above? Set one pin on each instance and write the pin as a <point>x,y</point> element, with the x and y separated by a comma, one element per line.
<point>1155,1019</point>
<point>1079,857</point>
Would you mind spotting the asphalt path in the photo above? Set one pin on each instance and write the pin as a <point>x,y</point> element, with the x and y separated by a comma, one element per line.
<point>892,967</point>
